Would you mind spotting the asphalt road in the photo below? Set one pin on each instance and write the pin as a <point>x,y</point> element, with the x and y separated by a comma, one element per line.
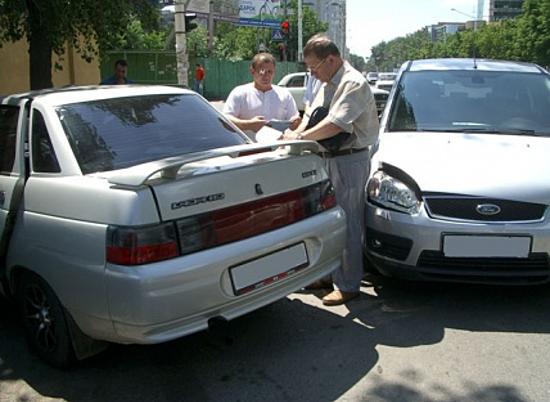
<point>399,342</point>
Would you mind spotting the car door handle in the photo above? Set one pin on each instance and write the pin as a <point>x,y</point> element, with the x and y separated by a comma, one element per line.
<point>2,198</point>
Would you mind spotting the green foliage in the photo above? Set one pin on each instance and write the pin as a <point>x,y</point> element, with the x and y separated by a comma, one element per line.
<point>386,56</point>
<point>242,43</point>
<point>525,38</point>
<point>237,43</point>
<point>136,38</point>
<point>197,42</point>
<point>311,25</point>
<point>48,25</point>
<point>99,21</point>
<point>357,61</point>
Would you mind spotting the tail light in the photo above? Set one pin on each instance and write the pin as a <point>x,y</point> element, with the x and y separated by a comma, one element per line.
<point>141,245</point>
<point>129,246</point>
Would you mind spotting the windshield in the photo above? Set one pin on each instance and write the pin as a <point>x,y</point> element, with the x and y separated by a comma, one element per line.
<point>118,133</point>
<point>472,101</point>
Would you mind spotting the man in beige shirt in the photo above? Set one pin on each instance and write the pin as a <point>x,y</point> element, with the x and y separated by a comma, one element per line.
<point>352,109</point>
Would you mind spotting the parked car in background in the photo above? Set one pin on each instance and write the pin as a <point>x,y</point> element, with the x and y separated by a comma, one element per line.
<point>459,186</point>
<point>381,98</point>
<point>296,85</point>
<point>385,81</point>
<point>139,214</point>
<point>372,77</point>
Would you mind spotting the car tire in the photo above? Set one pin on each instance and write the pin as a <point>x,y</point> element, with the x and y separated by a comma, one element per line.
<point>44,321</point>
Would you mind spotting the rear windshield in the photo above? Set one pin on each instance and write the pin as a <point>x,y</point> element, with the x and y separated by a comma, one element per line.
<point>117,133</point>
<point>478,101</point>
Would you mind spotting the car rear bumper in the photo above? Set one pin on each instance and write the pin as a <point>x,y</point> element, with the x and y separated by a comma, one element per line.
<point>410,247</point>
<point>166,300</point>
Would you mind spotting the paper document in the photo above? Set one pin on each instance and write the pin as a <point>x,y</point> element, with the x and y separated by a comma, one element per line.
<point>267,134</point>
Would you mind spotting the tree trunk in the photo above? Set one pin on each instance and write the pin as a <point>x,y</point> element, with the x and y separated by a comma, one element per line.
<point>40,50</point>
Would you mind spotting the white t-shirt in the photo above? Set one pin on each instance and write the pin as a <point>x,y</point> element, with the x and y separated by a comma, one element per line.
<point>246,102</point>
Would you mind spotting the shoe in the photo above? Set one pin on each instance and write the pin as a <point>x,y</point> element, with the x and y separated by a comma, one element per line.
<point>320,284</point>
<point>337,297</point>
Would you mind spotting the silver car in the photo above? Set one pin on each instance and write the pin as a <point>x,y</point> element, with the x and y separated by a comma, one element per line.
<point>460,185</point>
<point>296,85</point>
<point>136,214</point>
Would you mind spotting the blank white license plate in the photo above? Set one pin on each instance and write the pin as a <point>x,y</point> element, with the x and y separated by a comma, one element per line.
<point>268,269</point>
<point>486,246</point>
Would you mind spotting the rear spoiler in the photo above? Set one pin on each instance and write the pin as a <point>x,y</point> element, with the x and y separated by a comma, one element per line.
<point>168,168</point>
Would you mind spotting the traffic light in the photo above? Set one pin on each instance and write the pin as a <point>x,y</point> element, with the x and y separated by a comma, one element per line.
<point>189,24</point>
<point>285,27</point>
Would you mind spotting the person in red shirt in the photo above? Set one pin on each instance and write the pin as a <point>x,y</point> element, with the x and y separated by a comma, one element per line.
<point>199,77</point>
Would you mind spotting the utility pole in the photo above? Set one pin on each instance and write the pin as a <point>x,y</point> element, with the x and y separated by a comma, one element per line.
<point>211,25</point>
<point>182,59</point>
<point>300,39</point>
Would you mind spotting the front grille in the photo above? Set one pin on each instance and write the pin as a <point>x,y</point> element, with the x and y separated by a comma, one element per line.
<point>534,269</point>
<point>466,208</point>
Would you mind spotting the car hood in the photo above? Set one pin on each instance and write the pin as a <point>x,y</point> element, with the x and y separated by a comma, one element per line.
<point>510,167</point>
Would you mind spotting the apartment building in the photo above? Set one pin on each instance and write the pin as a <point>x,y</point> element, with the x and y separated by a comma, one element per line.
<point>503,9</point>
<point>332,12</point>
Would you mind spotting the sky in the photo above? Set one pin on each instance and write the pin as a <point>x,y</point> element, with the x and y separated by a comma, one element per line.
<point>370,22</point>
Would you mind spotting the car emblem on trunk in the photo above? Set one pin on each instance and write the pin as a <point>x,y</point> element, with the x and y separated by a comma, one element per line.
<point>488,209</point>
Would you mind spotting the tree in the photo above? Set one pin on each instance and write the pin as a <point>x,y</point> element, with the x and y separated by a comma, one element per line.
<point>241,43</point>
<point>311,25</point>
<point>137,38</point>
<point>236,43</point>
<point>357,61</point>
<point>48,25</point>
<point>534,32</point>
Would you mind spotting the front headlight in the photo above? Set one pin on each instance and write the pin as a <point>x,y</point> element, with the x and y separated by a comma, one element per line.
<point>388,192</point>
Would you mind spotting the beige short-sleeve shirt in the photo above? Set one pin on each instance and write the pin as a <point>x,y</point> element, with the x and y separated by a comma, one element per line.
<point>351,106</point>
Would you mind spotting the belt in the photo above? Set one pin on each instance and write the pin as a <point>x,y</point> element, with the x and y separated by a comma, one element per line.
<point>341,153</point>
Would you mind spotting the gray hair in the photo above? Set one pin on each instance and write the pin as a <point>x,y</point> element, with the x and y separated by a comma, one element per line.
<point>321,47</point>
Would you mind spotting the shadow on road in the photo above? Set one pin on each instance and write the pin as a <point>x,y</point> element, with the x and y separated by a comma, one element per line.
<point>288,351</point>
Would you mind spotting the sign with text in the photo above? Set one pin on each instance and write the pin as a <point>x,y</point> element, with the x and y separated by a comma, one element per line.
<point>260,13</point>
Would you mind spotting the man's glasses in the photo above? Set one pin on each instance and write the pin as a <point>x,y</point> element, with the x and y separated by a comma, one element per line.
<point>316,67</point>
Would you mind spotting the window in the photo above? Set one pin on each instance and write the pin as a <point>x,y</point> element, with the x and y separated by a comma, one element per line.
<point>8,137</point>
<point>118,133</point>
<point>296,82</point>
<point>482,101</point>
<point>43,155</point>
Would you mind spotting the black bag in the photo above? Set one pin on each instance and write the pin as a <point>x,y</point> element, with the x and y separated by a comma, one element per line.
<point>334,143</point>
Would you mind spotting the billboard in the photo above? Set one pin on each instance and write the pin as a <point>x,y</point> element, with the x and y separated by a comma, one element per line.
<point>260,13</point>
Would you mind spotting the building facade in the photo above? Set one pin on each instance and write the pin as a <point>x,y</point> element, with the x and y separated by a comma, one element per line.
<point>503,9</point>
<point>441,30</point>
<point>332,12</point>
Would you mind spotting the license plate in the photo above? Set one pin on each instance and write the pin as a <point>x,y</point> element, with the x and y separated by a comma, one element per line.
<point>268,269</point>
<point>486,246</point>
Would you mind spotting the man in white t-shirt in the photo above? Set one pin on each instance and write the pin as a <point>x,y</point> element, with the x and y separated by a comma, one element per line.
<point>251,106</point>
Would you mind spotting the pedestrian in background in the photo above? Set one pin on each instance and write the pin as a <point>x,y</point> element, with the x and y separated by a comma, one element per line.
<point>251,106</point>
<point>119,76</point>
<point>347,97</point>
<point>199,78</point>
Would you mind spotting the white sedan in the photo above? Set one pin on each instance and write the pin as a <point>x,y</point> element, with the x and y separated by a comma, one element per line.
<point>137,214</point>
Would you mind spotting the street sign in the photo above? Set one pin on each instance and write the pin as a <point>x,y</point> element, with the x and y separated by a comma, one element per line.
<point>277,35</point>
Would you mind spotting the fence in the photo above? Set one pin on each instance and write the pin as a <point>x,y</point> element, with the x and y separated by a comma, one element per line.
<point>159,67</point>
